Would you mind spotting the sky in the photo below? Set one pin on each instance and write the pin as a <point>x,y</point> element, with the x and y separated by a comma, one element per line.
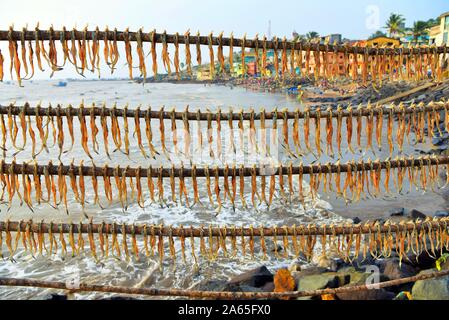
<point>354,19</point>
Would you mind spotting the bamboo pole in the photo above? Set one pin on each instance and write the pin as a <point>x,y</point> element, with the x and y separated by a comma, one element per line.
<point>214,294</point>
<point>229,231</point>
<point>204,40</point>
<point>267,170</point>
<point>224,115</point>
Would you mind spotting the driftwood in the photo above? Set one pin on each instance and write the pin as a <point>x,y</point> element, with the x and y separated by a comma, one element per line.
<point>212,294</point>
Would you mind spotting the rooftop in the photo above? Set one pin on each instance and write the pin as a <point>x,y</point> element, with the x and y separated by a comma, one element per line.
<point>444,15</point>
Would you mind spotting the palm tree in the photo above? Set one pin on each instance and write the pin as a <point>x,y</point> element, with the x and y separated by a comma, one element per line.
<point>312,35</point>
<point>394,25</point>
<point>419,30</point>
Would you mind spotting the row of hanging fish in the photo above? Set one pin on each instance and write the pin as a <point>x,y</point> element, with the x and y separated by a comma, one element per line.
<point>361,179</point>
<point>349,242</point>
<point>83,50</point>
<point>296,138</point>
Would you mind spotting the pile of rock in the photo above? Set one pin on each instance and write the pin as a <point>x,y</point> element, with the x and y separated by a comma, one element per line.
<point>341,274</point>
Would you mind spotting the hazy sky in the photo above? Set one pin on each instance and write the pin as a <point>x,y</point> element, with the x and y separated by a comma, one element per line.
<point>354,19</point>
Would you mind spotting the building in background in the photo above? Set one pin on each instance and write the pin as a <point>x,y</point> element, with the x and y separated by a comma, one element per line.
<point>331,39</point>
<point>382,42</point>
<point>438,35</point>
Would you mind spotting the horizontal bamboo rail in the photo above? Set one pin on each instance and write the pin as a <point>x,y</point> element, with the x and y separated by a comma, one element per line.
<point>204,40</point>
<point>223,115</point>
<point>226,231</point>
<point>267,170</point>
<point>12,282</point>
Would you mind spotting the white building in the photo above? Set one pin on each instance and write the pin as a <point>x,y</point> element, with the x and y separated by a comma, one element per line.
<point>439,34</point>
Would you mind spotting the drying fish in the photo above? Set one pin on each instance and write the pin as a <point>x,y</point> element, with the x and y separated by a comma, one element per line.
<point>1,66</point>
<point>220,56</point>
<point>129,58</point>
<point>211,56</point>
<point>141,55</point>
<point>137,131</point>
<point>176,58</point>
<point>149,133</point>
<point>188,53</point>
<point>165,55</point>
<point>84,134</point>
<point>14,56</point>
<point>198,50</point>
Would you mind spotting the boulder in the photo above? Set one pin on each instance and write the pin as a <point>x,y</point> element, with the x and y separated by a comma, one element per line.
<point>309,271</point>
<point>441,214</point>
<point>396,212</point>
<point>357,264</point>
<point>424,260</point>
<point>431,289</point>
<point>268,287</point>
<point>421,97</point>
<point>213,285</point>
<point>360,278</point>
<point>255,278</point>
<point>392,270</point>
<point>415,214</point>
<point>317,281</point>
<point>438,141</point>
<point>56,297</point>
<point>356,220</point>
<point>379,294</point>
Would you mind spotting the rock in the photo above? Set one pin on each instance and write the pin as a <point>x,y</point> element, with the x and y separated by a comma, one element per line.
<point>357,265</point>
<point>56,297</point>
<point>431,289</point>
<point>441,214</point>
<point>445,265</point>
<point>213,285</point>
<point>379,294</point>
<point>294,266</point>
<point>392,270</point>
<point>310,271</point>
<point>438,141</point>
<point>421,97</point>
<point>268,287</point>
<point>356,220</point>
<point>396,212</point>
<point>424,260</point>
<point>255,278</point>
<point>360,278</point>
<point>317,281</point>
<point>415,214</point>
<point>351,276</point>
<point>278,249</point>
